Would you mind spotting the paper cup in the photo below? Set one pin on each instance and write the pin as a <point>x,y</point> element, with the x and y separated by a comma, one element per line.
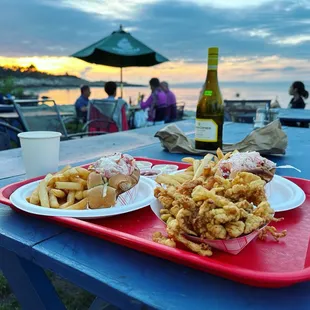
<point>167,169</point>
<point>40,152</point>
<point>142,164</point>
<point>148,173</point>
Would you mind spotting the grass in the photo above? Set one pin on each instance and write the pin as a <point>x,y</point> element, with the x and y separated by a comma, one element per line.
<point>73,297</point>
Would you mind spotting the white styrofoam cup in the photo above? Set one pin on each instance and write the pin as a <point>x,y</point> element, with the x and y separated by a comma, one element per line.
<point>40,152</point>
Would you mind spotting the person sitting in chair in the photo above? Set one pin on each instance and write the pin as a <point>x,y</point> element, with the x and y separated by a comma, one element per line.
<point>122,106</point>
<point>156,103</point>
<point>81,103</point>
<point>111,89</point>
<point>171,103</point>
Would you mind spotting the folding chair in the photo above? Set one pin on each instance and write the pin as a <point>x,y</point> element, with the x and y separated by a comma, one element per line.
<point>180,111</point>
<point>106,116</point>
<point>6,131</point>
<point>41,117</point>
<point>243,110</point>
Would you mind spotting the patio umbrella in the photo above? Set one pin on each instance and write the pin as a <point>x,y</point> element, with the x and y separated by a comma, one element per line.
<point>120,49</point>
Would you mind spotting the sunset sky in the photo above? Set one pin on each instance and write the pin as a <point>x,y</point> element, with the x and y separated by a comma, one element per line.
<point>259,40</point>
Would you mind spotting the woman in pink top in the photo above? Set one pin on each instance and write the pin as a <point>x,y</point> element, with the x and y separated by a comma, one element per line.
<point>171,114</point>
<point>157,102</point>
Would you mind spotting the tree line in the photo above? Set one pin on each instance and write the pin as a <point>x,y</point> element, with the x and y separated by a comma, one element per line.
<point>28,71</point>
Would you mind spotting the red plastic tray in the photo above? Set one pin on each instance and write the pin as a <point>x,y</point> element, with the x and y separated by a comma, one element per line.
<point>262,263</point>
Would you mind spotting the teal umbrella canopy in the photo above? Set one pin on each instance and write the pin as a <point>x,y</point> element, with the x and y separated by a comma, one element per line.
<point>120,49</point>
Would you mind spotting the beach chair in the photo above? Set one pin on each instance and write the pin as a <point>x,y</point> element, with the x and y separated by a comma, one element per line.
<point>6,132</point>
<point>180,111</point>
<point>106,116</point>
<point>160,114</point>
<point>42,118</point>
<point>243,111</point>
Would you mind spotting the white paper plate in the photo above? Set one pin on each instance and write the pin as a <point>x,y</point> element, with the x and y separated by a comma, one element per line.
<point>282,194</point>
<point>145,196</point>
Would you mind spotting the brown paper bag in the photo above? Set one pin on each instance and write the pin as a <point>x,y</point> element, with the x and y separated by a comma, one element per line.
<point>270,139</point>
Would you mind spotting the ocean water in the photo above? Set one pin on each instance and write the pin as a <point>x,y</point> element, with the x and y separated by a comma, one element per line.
<point>188,95</point>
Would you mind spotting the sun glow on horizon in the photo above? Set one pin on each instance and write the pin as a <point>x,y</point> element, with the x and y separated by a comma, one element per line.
<point>231,69</point>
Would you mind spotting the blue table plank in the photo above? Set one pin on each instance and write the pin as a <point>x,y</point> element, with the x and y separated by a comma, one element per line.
<point>298,147</point>
<point>96,268</point>
<point>156,151</point>
<point>29,283</point>
<point>118,275</point>
<point>130,279</point>
<point>297,115</point>
<point>19,232</point>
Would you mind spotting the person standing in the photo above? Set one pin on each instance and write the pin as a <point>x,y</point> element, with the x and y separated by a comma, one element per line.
<point>156,103</point>
<point>171,103</point>
<point>81,103</point>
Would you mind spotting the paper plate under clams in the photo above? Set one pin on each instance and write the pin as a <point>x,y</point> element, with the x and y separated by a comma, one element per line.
<point>282,194</point>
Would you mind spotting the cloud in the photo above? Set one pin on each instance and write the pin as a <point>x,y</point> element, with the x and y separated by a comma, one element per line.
<point>277,69</point>
<point>123,9</point>
<point>181,30</point>
<point>84,72</point>
<point>293,40</point>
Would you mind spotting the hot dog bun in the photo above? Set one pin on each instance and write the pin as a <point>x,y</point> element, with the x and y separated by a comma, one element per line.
<point>96,200</point>
<point>111,176</point>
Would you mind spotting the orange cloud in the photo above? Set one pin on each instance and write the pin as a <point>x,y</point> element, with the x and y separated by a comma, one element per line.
<point>232,69</point>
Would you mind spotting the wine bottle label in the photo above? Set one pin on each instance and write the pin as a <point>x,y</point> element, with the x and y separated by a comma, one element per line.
<point>206,130</point>
<point>208,93</point>
<point>212,62</point>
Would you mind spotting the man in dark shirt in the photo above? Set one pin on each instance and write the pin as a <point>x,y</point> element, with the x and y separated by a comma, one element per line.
<point>81,103</point>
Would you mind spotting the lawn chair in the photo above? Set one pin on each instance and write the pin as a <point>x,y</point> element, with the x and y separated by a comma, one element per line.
<point>42,117</point>
<point>6,131</point>
<point>180,111</point>
<point>106,116</point>
<point>160,114</point>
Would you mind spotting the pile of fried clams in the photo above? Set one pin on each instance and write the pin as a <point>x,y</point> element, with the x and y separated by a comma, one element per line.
<point>211,207</point>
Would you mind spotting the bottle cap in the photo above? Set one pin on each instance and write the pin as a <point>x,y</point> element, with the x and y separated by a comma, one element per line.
<point>213,51</point>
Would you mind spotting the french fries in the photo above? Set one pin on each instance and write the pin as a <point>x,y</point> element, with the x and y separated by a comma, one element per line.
<point>34,198</point>
<point>203,167</point>
<point>58,193</point>
<point>53,200</point>
<point>69,186</point>
<point>66,189</point>
<point>43,195</point>
<point>83,173</point>
<point>81,205</point>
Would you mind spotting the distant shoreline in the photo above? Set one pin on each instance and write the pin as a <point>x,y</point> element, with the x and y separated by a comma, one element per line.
<point>77,86</point>
<point>63,82</point>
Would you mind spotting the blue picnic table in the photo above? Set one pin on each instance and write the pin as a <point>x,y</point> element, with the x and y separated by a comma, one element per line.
<point>285,115</point>
<point>126,278</point>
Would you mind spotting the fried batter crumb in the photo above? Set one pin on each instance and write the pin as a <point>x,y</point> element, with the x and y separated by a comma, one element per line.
<point>159,238</point>
<point>273,232</point>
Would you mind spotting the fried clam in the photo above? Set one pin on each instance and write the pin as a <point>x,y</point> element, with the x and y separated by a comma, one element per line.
<point>212,207</point>
<point>175,232</point>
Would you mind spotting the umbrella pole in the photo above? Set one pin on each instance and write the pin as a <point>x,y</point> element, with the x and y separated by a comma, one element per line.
<point>121,82</point>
